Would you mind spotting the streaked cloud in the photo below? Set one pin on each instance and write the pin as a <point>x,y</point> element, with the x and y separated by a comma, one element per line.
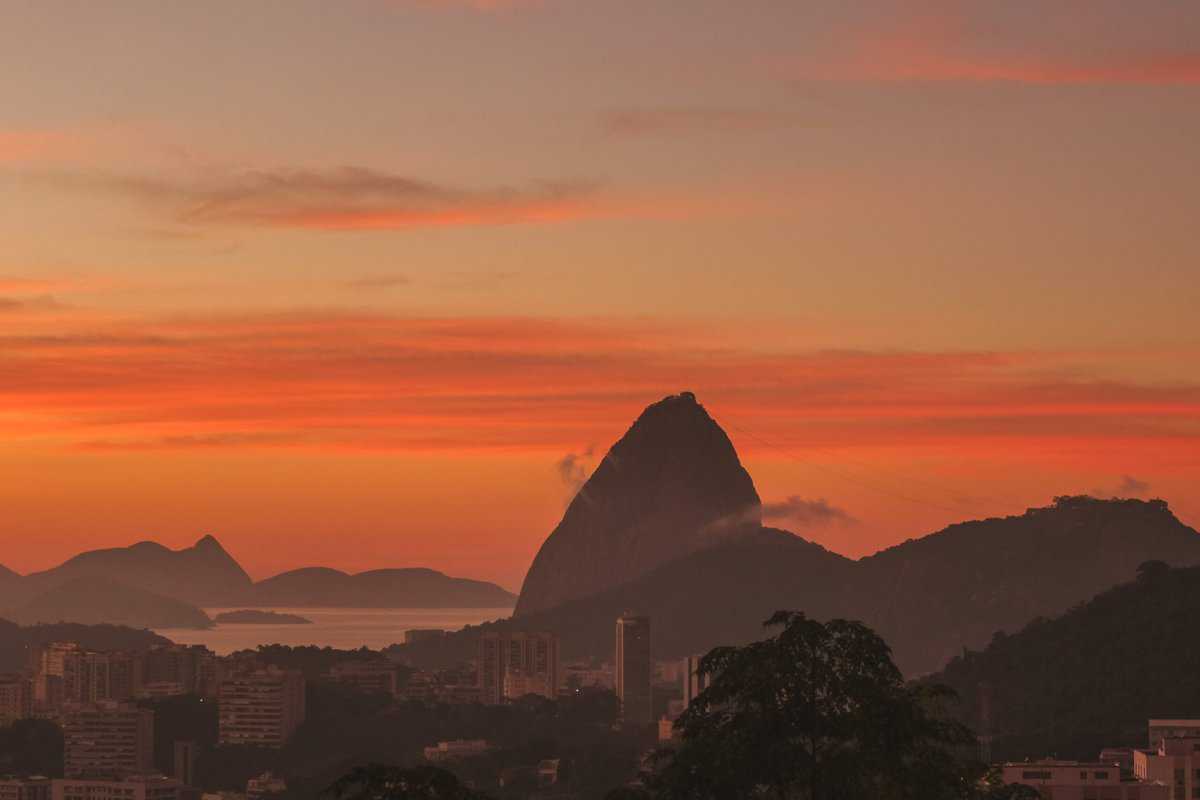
<point>1063,43</point>
<point>326,380</point>
<point>346,198</point>
<point>45,302</point>
<point>932,66</point>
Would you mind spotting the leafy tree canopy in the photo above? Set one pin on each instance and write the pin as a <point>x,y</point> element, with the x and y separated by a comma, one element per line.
<point>817,712</point>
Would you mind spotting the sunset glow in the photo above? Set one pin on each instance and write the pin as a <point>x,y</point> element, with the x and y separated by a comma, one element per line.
<point>355,301</point>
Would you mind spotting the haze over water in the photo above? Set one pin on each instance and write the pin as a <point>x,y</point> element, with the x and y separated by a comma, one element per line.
<point>340,628</point>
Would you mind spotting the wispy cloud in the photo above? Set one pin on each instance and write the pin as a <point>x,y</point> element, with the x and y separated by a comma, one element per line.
<point>573,469</point>
<point>930,65</point>
<point>797,511</point>
<point>1053,44</point>
<point>45,302</point>
<point>346,198</point>
<point>1128,486</point>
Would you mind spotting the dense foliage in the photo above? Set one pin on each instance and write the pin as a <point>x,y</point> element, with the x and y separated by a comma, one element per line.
<point>377,782</point>
<point>313,661</point>
<point>31,747</point>
<point>1092,677</point>
<point>817,712</point>
<point>16,641</point>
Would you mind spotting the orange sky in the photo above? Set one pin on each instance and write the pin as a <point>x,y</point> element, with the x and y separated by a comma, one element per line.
<point>347,284</point>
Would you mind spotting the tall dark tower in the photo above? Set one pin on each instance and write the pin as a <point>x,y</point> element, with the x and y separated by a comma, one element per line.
<point>185,761</point>
<point>985,722</point>
<point>634,670</point>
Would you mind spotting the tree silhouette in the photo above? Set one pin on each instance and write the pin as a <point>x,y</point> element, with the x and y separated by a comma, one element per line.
<point>380,782</point>
<point>818,712</point>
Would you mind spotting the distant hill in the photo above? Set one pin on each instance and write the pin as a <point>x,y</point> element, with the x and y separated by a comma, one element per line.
<point>202,574</point>
<point>672,485</point>
<point>381,588</point>
<point>16,640</point>
<point>206,575</point>
<point>1092,677</point>
<point>929,598</point>
<point>669,524</point>
<point>253,616</point>
<point>720,595</point>
<point>93,600</point>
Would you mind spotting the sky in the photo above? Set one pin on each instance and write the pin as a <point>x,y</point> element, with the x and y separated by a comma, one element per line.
<point>377,282</point>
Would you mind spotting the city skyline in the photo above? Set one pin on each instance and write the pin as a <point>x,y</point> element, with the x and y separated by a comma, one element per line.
<point>378,284</point>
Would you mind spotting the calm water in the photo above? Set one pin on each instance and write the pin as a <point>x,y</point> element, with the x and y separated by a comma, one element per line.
<point>343,628</point>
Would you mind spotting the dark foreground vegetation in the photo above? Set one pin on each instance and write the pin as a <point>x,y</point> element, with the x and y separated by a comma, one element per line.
<point>817,712</point>
<point>1092,677</point>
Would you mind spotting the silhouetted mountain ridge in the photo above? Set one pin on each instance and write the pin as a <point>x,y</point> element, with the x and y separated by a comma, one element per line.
<point>932,596</point>
<point>928,597</point>
<point>202,574</point>
<point>93,599</point>
<point>671,486</point>
<point>173,584</point>
<point>413,587</point>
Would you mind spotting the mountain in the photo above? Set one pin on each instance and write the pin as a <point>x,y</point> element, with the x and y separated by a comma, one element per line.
<point>720,595</point>
<point>933,596</point>
<point>1090,678</point>
<point>381,588</point>
<point>93,600</point>
<point>181,581</point>
<point>203,574</point>
<point>673,485</point>
<point>929,598</point>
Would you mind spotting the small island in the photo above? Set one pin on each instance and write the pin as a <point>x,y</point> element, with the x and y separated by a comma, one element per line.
<point>255,617</point>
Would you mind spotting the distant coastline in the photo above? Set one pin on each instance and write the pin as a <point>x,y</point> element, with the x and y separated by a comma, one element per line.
<point>250,616</point>
<point>339,628</point>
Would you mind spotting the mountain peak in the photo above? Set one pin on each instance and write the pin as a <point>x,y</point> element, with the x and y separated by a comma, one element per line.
<point>671,486</point>
<point>208,542</point>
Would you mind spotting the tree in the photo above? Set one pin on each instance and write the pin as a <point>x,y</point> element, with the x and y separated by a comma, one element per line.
<point>379,782</point>
<point>629,793</point>
<point>818,712</point>
<point>994,788</point>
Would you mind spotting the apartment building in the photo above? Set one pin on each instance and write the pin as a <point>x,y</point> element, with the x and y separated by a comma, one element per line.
<point>260,707</point>
<point>1081,780</point>
<point>107,739</point>
<point>144,786</point>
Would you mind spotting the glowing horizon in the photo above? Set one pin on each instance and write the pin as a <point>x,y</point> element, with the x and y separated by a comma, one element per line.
<point>350,284</point>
